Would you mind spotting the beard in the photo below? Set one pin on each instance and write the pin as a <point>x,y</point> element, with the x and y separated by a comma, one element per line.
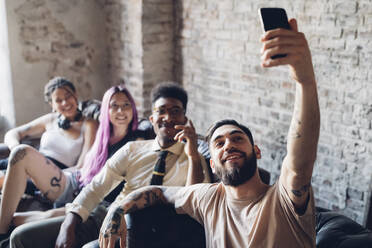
<point>238,175</point>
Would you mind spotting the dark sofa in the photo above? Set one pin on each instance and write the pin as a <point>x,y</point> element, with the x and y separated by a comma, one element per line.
<point>161,226</point>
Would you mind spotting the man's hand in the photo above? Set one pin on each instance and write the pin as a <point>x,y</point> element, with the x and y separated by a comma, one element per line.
<point>188,134</point>
<point>66,236</point>
<point>292,43</point>
<point>113,227</point>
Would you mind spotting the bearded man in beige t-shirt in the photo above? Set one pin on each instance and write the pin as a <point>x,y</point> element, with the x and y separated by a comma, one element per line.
<point>242,211</point>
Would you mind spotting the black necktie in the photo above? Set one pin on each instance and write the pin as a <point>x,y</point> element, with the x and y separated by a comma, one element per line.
<point>159,169</point>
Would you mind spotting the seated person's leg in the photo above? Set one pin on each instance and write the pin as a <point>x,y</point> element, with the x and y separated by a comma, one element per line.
<point>89,230</point>
<point>92,244</point>
<point>30,216</point>
<point>44,233</point>
<point>25,162</point>
<point>37,234</point>
<point>95,244</point>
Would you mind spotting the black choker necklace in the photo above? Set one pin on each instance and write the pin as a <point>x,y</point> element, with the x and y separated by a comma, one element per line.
<point>65,123</point>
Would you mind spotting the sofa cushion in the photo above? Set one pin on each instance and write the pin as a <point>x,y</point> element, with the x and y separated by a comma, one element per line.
<point>338,231</point>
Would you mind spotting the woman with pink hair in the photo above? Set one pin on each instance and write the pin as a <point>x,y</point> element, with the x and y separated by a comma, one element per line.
<point>118,125</point>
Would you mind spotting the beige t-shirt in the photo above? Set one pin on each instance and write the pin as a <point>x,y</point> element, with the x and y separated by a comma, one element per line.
<point>267,221</point>
<point>134,163</point>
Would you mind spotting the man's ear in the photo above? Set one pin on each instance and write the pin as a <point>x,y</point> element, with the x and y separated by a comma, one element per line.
<point>257,151</point>
<point>151,119</point>
<point>212,165</point>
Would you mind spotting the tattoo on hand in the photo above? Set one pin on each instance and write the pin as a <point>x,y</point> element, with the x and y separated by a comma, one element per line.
<point>17,155</point>
<point>114,225</point>
<point>303,190</point>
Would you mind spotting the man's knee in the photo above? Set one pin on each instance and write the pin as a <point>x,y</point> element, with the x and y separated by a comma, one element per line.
<point>36,234</point>
<point>18,237</point>
<point>19,153</point>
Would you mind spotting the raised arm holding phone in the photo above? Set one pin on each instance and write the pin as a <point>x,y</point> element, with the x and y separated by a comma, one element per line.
<point>242,211</point>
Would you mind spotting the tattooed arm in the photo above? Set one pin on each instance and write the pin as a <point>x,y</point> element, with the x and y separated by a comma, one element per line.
<point>32,129</point>
<point>114,225</point>
<point>304,129</point>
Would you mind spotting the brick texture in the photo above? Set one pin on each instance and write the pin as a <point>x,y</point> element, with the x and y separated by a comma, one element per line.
<point>221,71</point>
<point>212,47</point>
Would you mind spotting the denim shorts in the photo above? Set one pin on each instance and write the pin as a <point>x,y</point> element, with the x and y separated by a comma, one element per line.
<point>72,189</point>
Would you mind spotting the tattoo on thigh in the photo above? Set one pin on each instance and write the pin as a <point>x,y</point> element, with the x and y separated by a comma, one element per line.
<point>55,182</point>
<point>17,156</point>
<point>300,192</point>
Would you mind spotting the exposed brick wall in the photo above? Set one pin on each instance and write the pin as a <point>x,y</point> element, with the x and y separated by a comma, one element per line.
<point>221,71</point>
<point>158,45</point>
<point>50,38</point>
<point>125,50</point>
<point>211,46</point>
<point>141,50</point>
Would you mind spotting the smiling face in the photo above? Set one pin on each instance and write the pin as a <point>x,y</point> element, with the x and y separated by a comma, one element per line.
<point>167,112</point>
<point>64,101</point>
<point>120,110</point>
<point>233,158</point>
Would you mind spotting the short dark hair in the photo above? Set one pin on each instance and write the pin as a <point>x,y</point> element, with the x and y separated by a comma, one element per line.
<point>169,90</point>
<point>224,122</point>
<point>56,83</point>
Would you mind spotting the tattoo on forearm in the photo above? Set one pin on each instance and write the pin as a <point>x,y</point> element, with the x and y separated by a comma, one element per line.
<point>133,208</point>
<point>303,190</point>
<point>151,198</point>
<point>135,197</point>
<point>143,199</point>
<point>55,182</point>
<point>17,155</point>
<point>114,225</point>
<point>294,132</point>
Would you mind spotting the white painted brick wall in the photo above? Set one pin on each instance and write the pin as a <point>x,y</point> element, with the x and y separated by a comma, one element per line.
<point>221,71</point>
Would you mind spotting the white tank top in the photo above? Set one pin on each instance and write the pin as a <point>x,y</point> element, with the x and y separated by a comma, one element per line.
<point>55,144</point>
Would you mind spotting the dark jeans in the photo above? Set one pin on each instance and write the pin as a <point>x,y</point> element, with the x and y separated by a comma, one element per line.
<point>44,233</point>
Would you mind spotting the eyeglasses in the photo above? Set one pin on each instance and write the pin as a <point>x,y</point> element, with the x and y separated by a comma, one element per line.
<point>173,112</point>
<point>115,107</point>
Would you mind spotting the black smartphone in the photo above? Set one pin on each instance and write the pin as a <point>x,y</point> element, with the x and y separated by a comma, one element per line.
<point>272,18</point>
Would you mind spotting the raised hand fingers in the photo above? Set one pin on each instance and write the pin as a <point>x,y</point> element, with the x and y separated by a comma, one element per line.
<point>294,46</point>
<point>187,132</point>
<point>293,54</point>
